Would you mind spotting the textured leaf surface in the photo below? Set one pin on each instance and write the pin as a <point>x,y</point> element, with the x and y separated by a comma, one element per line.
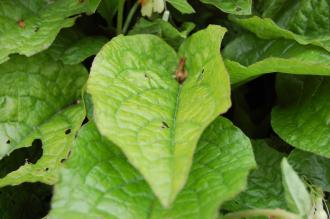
<point>141,107</point>
<point>163,29</point>
<point>34,92</point>
<point>248,57</point>
<point>296,194</point>
<point>305,21</point>
<point>313,168</point>
<point>109,187</point>
<point>303,112</point>
<point>182,5</point>
<point>264,190</point>
<point>30,26</point>
<point>239,7</point>
<point>56,136</point>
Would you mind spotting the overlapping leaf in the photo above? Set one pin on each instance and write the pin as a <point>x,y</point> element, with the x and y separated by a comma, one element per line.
<point>302,115</point>
<point>306,22</point>
<point>36,95</point>
<point>239,7</point>
<point>264,190</point>
<point>182,5</point>
<point>30,26</point>
<point>163,29</point>
<point>109,187</point>
<point>155,120</point>
<point>248,57</point>
<point>72,47</point>
<point>313,168</point>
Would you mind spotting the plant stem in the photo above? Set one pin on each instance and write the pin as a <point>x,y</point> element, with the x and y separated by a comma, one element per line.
<point>120,14</point>
<point>274,213</point>
<point>130,16</point>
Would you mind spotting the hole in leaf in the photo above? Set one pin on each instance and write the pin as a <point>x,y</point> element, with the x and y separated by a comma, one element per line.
<point>20,156</point>
<point>8,141</point>
<point>68,131</point>
<point>164,125</point>
<point>63,160</point>
<point>27,200</point>
<point>46,169</point>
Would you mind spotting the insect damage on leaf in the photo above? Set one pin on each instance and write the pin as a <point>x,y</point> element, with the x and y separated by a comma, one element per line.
<point>21,23</point>
<point>181,73</point>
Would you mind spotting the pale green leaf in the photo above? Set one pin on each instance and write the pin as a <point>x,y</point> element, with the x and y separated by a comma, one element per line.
<point>30,26</point>
<point>296,194</point>
<point>239,7</point>
<point>247,57</point>
<point>34,93</point>
<point>155,120</point>
<point>109,187</point>
<point>301,117</point>
<point>182,5</point>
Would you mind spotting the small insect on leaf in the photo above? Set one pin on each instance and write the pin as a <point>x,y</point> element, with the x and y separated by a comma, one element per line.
<point>181,73</point>
<point>21,23</point>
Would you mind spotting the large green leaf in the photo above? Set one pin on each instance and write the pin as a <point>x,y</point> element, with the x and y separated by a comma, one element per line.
<point>248,57</point>
<point>264,190</point>
<point>306,21</point>
<point>34,93</point>
<point>109,187</point>
<point>301,117</point>
<point>30,26</point>
<point>155,120</point>
<point>315,169</point>
<point>163,29</point>
<point>182,5</point>
<point>266,28</point>
<point>239,7</point>
<point>296,194</point>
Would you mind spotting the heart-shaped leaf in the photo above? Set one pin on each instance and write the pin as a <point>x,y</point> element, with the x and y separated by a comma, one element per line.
<point>109,187</point>
<point>145,105</point>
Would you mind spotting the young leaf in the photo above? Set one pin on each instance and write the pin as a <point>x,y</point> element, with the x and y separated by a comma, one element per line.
<point>34,92</point>
<point>301,117</point>
<point>239,7</point>
<point>296,194</point>
<point>182,5</point>
<point>247,57</point>
<point>110,187</point>
<point>314,168</point>
<point>155,119</point>
<point>28,27</point>
<point>163,29</point>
